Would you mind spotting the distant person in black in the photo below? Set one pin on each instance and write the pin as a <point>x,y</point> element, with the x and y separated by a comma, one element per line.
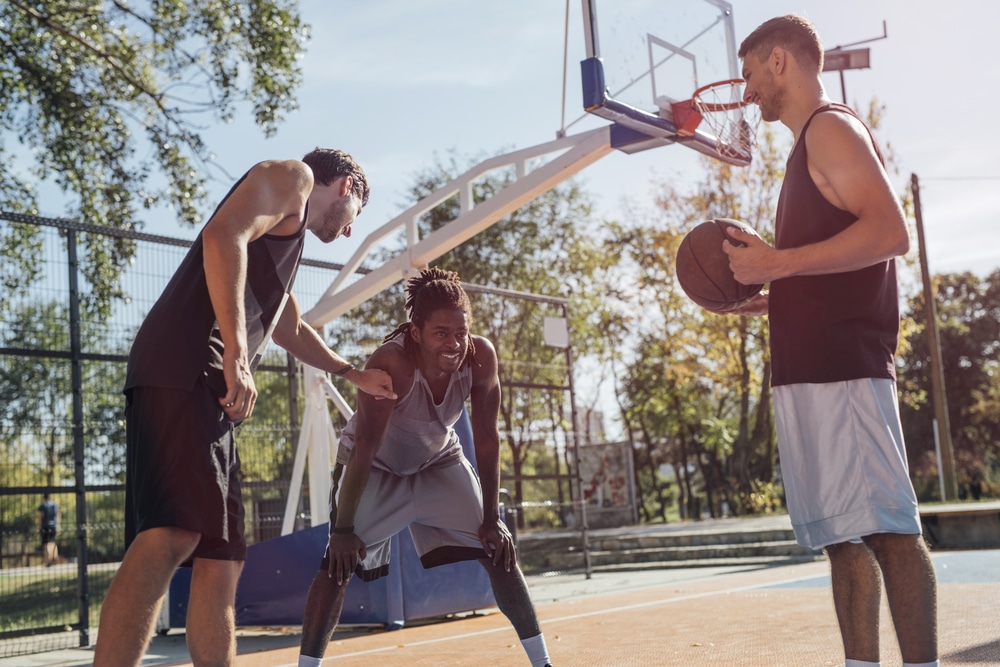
<point>48,528</point>
<point>190,380</point>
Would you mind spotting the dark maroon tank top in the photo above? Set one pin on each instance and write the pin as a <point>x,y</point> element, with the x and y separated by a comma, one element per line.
<point>179,339</point>
<point>833,327</point>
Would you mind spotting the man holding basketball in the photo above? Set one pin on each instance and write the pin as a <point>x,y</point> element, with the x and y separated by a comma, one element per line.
<point>400,464</point>
<point>834,323</point>
<point>190,381</point>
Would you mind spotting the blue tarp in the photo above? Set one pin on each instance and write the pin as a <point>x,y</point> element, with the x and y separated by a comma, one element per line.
<point>275,581</point>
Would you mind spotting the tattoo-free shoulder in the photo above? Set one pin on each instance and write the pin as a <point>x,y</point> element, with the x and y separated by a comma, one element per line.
<point>282,189</point>
<point>389,356</point>
<point>394,360</point>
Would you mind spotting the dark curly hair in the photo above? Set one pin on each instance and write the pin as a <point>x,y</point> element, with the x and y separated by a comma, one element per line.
<point>329,164</point>
<point>433,289</point>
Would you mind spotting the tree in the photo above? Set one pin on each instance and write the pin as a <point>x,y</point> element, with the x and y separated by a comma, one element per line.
<point>550,246</point>
<point>969,312</point>
<point>706,407</point>
<point>36,420</point>
<point>36,406</point>
<point>79,80</point>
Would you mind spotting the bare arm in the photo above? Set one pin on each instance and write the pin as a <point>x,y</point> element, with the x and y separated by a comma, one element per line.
<point>485,400</point>
<point>845,168</point>
<point>305,344</point>
<point>372,423</point>
<point>272,196</point>
<point>757,305</point>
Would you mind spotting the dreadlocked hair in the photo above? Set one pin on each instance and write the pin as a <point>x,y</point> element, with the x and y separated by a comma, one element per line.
<point>433,289</point>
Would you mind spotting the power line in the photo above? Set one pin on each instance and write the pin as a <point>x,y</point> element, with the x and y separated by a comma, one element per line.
<point>960,178</point>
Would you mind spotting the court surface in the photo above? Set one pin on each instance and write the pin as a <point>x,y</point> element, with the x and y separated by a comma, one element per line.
<point>773,617</point>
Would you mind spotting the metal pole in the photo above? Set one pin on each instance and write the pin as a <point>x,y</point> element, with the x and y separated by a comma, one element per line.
<point>937,457</point>
<point>78,444</point>
<point>943,430</point>
<point>584,528</point>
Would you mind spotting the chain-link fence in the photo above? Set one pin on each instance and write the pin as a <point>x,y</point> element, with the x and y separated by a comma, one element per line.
<point>62,367</point>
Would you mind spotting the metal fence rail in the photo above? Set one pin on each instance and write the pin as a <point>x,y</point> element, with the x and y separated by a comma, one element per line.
<point>62,421</point>
<point>61,426</point>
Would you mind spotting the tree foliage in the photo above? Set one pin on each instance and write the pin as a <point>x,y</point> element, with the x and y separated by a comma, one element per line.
<point>36,399</point>
<point>108,100</point>
<point>969,320</point>
<point>696,396</point>
<point>551,246</point>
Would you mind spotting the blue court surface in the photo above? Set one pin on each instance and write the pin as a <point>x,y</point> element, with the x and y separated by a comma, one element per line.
<point>951,567</point>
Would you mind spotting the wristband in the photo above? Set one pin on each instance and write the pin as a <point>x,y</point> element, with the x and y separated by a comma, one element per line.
<point>342,531</point>
<point>344,371</point>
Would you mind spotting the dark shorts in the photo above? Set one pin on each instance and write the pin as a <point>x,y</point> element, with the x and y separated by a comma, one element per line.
<point>48,535</point>
<point>182,469</point>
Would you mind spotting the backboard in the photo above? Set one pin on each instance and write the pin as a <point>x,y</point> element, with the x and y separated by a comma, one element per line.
<point>642,55</point>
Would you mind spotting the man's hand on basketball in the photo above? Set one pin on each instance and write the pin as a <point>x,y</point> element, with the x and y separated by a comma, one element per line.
<point>345,552</point>
<point>241,392</point>
<point>754,263</point>
<point>374,381</point>
<point>498,543</point>
<point>756,305</point>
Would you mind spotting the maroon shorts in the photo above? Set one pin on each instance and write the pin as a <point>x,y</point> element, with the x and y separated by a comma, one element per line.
<point>182,469</point>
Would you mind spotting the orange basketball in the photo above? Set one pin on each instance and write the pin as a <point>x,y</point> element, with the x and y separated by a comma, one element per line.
<point>703,267</point>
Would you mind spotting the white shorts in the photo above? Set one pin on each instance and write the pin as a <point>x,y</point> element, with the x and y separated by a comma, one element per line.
<point>442,506</point>
<point>843,462</point>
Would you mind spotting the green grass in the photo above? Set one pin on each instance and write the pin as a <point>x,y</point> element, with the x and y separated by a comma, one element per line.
<point>46,597</point>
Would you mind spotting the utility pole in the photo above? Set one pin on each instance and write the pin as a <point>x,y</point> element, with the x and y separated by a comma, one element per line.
<point>942,426</point>
<point>839,58</point>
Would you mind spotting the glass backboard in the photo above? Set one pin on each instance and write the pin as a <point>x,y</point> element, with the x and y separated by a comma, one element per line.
<point>643,55</point>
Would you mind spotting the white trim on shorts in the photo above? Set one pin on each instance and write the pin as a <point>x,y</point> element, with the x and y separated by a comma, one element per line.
<point>843,461</point>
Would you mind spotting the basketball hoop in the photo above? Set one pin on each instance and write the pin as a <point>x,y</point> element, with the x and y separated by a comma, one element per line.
<point>721,108</point>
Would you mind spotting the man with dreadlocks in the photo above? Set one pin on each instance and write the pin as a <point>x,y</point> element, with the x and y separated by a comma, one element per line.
<point>403,465</point>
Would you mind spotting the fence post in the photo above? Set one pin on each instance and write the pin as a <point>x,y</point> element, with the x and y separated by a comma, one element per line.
<point>584,527</point>
<point>83,587</point>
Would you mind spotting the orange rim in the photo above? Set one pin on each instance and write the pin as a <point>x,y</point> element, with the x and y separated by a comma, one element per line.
<point>713,107</point>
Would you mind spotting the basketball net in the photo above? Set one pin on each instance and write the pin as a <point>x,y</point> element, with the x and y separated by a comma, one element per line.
<point>720,107</point>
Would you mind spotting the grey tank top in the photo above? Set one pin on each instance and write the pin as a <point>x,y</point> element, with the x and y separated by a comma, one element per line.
<point>421,433</point>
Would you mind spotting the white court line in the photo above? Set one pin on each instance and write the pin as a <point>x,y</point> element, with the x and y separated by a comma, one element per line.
<point>571,617</point>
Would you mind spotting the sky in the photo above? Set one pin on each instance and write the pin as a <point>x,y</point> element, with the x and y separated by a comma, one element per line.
<point>400,83</point>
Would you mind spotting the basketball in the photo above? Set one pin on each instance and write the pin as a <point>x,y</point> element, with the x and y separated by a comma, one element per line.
<point>703,267</point>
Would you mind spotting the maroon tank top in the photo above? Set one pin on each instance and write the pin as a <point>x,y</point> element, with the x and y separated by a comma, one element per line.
<point>179,339</point>
<point>833,327</point>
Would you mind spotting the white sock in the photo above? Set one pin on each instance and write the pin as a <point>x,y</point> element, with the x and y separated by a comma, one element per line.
<point>309,661</point>
<point>861,663</point>
<point>935,663</point>
<point>535,648</point>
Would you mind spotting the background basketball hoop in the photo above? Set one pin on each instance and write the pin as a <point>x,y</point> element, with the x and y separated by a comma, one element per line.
<point>721,108</point>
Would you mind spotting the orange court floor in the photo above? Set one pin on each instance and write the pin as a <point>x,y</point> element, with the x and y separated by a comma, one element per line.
<point>737,615</point>
<point>771,617</point>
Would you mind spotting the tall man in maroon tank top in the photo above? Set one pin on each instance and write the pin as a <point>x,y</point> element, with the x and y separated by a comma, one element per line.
<point>190,380</point>
<point>834,324</point>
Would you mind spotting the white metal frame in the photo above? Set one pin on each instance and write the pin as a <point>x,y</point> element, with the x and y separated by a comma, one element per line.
<point>317,440</point>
